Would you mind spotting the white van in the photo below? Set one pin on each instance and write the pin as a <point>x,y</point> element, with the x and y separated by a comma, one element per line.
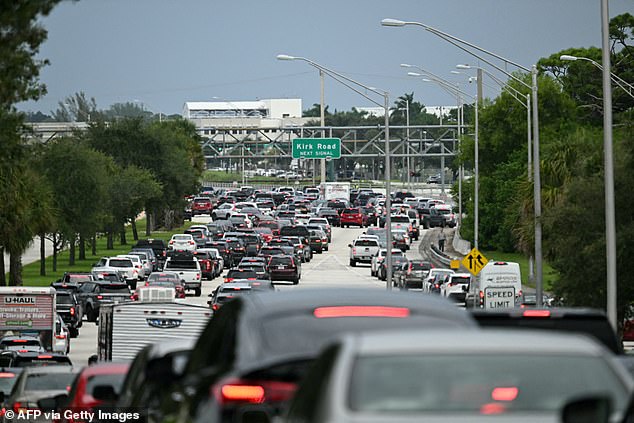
<point>498,285</point>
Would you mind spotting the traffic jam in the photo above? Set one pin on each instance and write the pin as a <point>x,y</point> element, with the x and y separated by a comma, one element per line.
<point>254,314</point>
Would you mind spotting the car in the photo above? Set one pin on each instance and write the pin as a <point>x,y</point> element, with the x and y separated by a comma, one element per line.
<point>95,387</point>
<point>76,277</point>
<point>256,348</point>
<point>455,287</point>
<point>284,268</point>
<point>122,265</point>
<point>182,242</point>
<point>397,262</point>
<point>33,359</point>
<point>258,268</point>
<point>378,258</point>
<point>331,215</point>
<point>146,260</point>
<point>21,343</point>
<point>207,263</point>
<point>413,275</point>
<point>456,376</point>
<point>223,211</point>
<point>157,245</point>
<point>150,254</point>
<point>36,383</point>
<point>199,234</point>
<point>317,240</point>
<point>154,370</point>
<point>201,205</point>
<point>362,250</point>
<point>240,273</point>
<point>188,270</point>
<point>70,309</point>
<point>61,336</point>
<point>431,283</point>
<point>167,279</point>
<point>227,292</point>
<point>143,266</point>
<point>353,216</point>
<point>93,295</point>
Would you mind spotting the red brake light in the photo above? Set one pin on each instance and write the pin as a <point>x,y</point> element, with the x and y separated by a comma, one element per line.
<point>60,336</point>
<point>245,391</point>
<point>504,394</point>
<point>7,375</point>
<point>72,311</point>
<point>45,356</point>
<point>536,313</point>
<point>492,408</point>
<point>100,297</point>
<point>19,341</point>
<point>361,311</point>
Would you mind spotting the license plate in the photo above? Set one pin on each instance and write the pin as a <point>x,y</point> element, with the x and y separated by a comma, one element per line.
<point>281,267</point>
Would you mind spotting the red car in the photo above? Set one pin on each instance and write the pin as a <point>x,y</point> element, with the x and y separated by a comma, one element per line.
<point>202,205</point>
<point>108,377</point>
<point>353,216</point>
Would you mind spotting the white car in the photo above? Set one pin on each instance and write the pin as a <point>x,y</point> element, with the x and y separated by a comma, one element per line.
<point>144,264</point>
<point>61,338</point>
<point>456,286</point>
<point>378,259</point>
<point>446,211</point>
<point>241,219</point>
<point>122,265</point>
<point>223,211</point>
<point>428,283</point>
<point>363,249</point>
<point>182,242</point>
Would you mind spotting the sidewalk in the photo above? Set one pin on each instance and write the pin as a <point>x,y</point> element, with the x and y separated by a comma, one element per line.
<point>32,254</point>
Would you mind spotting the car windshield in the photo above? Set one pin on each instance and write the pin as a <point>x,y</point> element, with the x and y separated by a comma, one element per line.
<point>442,383</point>
<point>48,381</point>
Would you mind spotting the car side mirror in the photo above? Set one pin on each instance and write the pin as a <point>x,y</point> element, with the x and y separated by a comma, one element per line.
<point>465,288</point>
<point>350,245</point>
<point>587,410</point>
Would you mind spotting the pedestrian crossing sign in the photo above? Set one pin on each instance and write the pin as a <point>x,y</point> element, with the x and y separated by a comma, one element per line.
<point>474,261</point>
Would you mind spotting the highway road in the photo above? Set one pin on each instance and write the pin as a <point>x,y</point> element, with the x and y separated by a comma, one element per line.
<point>328,270</point>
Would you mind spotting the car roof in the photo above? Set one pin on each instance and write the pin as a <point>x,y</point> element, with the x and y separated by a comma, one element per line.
<point>105,368</point>
<point>485,341</point>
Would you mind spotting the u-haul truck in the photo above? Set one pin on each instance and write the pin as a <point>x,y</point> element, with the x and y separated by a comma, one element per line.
<point>29,310</point>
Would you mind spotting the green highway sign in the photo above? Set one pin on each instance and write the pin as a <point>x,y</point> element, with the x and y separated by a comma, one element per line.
<point>316,148</point>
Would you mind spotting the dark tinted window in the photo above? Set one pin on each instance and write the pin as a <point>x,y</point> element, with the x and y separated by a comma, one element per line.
<point>185,264</point>
<point>64,299</point>
<point>115,289</point>
<point>420,266</point>
<point>48,381</point>
<point>114,380</point>
<point>366,243</point>
<point>276,261</point>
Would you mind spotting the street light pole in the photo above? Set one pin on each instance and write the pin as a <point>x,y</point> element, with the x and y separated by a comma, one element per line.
<point>610,218</point>
<point>466,46</point>
<point>322,112</point>
<point>357,87</point>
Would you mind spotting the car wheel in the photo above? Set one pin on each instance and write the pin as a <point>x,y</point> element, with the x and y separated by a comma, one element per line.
<point>90,314</point>
<point>197,292</point>
<point>80,323</point>
<point>73,331</point>
<point>353,263</point>
<point>295,281</point>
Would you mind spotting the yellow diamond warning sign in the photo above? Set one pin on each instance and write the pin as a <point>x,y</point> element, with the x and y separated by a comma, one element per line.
<point>474,261</point>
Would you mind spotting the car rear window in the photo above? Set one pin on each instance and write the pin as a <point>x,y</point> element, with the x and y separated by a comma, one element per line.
<point>121,263</point>
<point>400,219</point>
<point>420,266</point>
<point>351,211</point>
<point>115,289</point>
<point>304,333</point>
<point>114,380</point>
<point>64,299</point>
<point>468,383</point>
<point>366,243</point>
<point>184,264</point>
<point>276,261</point>
<point>48,381</point>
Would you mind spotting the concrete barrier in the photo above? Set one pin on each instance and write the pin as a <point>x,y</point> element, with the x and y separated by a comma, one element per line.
<point>460,245</point>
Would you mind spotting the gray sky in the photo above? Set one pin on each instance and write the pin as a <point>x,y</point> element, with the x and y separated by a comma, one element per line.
<point>166,52</point>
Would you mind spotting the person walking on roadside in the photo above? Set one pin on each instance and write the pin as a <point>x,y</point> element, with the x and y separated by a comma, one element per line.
<point>441,240</point>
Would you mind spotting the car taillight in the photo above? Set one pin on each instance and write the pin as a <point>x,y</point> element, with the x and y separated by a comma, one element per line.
<point>171,242</point>
<point>72,311</point>
<point>228,279</point>
<point>197,275</point>
<point>354,250</point>
<point>318,241</point>
<point>536,313</point>
<point>361,311</point>
<point>100,297</point>
<point>191,242</point>
<point>62,336</point>
<point>436,285</point>
<point>255,392</point>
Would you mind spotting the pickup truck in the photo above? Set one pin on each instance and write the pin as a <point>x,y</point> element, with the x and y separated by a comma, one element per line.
<point>431,218</point>
<point>188,270</point>
<point>92,295</point>
<point>362,251</point>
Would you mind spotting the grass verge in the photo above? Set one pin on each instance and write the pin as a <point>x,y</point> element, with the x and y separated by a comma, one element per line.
<point>550,274</point>
<point>31,272</point>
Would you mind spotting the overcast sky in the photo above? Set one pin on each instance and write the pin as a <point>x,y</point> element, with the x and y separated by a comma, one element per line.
<point>165,52</point>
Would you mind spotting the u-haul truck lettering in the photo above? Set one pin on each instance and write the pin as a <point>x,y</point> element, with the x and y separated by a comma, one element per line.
<point>20,300</point>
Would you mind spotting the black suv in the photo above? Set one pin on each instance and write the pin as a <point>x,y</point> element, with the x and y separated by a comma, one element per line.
<point>70,310</point>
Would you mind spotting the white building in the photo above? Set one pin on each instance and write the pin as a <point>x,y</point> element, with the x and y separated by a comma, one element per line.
<point>268,115</point>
